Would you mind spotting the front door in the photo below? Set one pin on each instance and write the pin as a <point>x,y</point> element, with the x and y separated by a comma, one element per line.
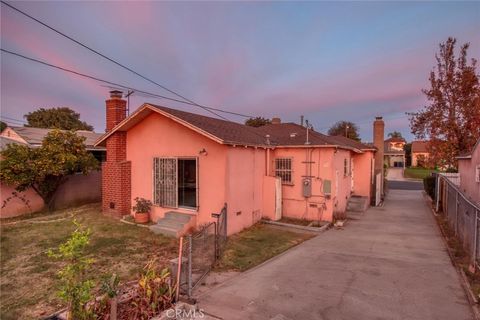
<point>187,183</point>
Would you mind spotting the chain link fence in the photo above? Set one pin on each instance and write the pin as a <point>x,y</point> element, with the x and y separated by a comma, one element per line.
<point>201,250</point>
<point>461,213</point>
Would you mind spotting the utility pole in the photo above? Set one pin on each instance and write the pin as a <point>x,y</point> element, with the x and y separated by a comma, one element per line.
<point>346,130</point>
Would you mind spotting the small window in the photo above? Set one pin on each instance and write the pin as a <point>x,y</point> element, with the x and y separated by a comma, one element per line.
<point>283,169</point>
<point>345,167</point>
<point>477,174</point>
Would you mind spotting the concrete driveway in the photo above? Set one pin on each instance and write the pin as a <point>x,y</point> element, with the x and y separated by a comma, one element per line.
<point>395,174</point>
<point>390,264</point>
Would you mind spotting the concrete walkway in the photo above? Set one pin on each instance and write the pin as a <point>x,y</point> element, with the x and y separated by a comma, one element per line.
<point>395,174</point>
<point>391,264</point>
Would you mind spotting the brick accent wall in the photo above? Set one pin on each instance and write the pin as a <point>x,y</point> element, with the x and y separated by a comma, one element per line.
<point>116,170</point>
<point>116,188</point>
<point>117,147</point>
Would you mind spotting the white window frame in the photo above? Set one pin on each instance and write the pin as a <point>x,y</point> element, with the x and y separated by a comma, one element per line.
<point>172,201</point>
<point>282,172</point>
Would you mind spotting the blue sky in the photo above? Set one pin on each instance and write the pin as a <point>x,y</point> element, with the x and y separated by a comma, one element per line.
<point>328,61</point>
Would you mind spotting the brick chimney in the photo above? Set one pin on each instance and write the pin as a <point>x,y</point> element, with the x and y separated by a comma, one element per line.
<point>378,141</point>
<point>116,197</point>
<point>116,109</point>
<point>276,120</point>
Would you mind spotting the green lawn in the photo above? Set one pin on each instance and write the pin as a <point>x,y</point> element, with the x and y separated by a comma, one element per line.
<point>256,245</point>
<point>28,276</point>
<point>417,173</point>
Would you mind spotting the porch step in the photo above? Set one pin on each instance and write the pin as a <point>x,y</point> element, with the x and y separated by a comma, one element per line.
<point>172,224</point>
<point>357,204</point>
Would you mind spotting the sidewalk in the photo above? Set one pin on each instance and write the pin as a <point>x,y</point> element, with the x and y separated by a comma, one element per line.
<point>391,264</point>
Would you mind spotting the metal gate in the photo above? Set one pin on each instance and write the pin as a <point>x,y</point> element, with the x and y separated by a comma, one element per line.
<point>201,250</point>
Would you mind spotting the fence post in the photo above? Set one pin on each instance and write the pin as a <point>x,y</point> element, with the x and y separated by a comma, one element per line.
<point>189,274</point>
<point>475,241</point>
<point>456,213</point>
<point>437,186</point>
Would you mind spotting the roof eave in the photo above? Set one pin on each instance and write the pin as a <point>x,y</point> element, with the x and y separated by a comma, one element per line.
<point>146,106</point>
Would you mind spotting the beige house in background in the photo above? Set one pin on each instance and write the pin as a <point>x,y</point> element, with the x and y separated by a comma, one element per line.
<point>420,153</point>
<point>394,155</point>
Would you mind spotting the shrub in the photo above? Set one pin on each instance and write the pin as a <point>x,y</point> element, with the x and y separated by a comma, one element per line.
<point>154,293</point>
<point>75,287</point>
<point>429,186</point>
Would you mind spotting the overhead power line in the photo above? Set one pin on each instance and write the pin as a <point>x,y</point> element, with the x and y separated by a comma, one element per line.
<point>8,119</point>
<point>113,83</point>
<point>113,60</point>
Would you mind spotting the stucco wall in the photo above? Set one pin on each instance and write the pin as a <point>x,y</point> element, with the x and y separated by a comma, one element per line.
<point>269,197</point>
<point>294,205</point>
<point>78,189</point>
<point>245,170</point>
<point>344,184</point>
<point>466,168</point>
<point>157,136</point>
<point>363,166</point>
<point>13,206</point>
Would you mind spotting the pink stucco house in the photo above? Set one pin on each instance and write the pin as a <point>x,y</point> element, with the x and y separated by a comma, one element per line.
<point>191,165</point>
<point>469,170</point>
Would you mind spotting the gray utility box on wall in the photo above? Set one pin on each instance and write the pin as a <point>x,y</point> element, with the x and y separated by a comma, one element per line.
<point>307,187</point>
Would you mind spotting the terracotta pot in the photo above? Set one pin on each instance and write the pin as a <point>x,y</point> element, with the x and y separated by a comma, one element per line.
<point>142,217</point>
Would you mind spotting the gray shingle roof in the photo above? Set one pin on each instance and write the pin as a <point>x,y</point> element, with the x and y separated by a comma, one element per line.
<point>233,133</point>
<point>4,141</point>
<point>34,136</point>
<point>283,134</point>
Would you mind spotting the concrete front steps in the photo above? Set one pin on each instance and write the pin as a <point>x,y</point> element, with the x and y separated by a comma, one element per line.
<point>356,206</point>
<point>173,224</point>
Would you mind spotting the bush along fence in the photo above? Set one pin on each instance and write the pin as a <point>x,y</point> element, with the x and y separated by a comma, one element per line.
<point>200,252</point>
<point>461,214</point>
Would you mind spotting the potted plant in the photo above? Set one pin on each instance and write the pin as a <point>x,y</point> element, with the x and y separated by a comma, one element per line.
<point>142,210</point>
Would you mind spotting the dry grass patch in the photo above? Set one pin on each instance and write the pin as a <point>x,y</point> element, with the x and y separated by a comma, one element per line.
<point>28,275</point>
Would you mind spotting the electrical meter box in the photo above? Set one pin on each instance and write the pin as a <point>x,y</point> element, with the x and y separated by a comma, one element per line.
<point>307,187</point>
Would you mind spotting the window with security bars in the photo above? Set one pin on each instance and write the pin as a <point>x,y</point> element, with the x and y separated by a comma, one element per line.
<point>283,169</point>
<point>165,182</point>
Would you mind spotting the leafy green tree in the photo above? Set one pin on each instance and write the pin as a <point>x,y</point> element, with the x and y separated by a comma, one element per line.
<point>257,122</point>
<point>451,120</point>
<point>3,125</point>
<point>345,128</point>
<point>395,134</point>
<point>75,287</point>
<point>45,168</point>
<point>56,118</point>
